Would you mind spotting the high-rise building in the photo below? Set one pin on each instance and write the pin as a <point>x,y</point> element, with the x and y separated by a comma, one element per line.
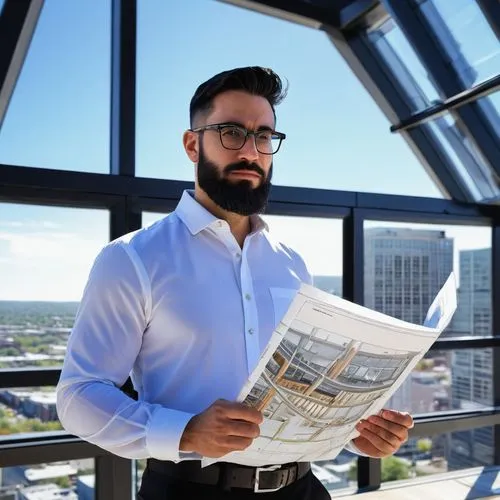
<point>472,369</point>
<point>404,270</point>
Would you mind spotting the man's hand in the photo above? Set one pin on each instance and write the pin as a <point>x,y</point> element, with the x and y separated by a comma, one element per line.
<point>222,428</point>
<point>383,434</point>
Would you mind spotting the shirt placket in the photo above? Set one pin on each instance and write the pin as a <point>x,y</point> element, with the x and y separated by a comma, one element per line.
<point>249,310</point>
<point>244,276</point>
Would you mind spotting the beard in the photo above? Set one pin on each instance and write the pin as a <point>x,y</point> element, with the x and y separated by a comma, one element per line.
<point>240,196</point>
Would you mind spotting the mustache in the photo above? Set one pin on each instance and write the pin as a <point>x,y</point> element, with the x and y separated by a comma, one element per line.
<point>242,165</point>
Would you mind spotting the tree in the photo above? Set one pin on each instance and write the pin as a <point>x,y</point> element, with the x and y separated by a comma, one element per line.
<point>63,482</point>
<point>424,445</point>
<point>393,468</point>
<point>424,365</point>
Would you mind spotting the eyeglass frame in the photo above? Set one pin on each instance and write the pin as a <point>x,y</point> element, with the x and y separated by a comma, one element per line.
<point>218,126</point>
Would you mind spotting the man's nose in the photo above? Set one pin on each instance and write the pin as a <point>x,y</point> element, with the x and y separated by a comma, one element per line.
<point>249,150</point>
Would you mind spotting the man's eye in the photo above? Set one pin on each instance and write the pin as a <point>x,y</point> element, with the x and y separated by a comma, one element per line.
<point>265,136</point>
<point>232,132</point>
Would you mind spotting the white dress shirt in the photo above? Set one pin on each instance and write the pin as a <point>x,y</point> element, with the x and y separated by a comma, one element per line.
<point>186,312</point>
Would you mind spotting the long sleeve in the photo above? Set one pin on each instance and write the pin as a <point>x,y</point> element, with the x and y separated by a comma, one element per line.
<point>102,349</point>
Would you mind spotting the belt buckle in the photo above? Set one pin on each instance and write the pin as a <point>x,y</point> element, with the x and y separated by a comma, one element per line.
<point>258,470</point>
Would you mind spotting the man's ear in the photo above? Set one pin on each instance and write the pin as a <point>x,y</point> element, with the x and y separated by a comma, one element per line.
<point>191,145</point>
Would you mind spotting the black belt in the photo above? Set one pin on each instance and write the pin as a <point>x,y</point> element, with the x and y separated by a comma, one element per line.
<point>227,475</point>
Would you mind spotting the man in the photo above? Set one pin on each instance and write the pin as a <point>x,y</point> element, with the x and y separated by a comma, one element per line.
<point>186,306</point>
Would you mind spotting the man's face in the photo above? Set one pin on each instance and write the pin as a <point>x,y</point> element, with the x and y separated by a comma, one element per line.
<point>236,180</point>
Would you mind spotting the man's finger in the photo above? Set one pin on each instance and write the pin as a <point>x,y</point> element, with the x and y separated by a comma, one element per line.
<point>398,430</point>
<point>238,411</point>
<point>398,417</point>
<point>235,443</point>
<point>377,441</point>
<point>242,429</point>
<point>368,429</point>
<point>365,446</point>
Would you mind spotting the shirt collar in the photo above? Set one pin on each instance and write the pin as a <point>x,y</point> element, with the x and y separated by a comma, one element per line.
<point>197,218</point>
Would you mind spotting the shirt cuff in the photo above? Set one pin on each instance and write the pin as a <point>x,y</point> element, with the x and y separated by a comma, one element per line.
<point>350,446</point>
<point>164,434</point>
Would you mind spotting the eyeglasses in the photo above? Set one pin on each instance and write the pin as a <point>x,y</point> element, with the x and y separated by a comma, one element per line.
<point>234,137</point>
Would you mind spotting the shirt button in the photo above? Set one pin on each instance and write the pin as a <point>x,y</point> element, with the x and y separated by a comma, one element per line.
<point>250,331</point>
<point>238,255</point>
<point>248,296</point>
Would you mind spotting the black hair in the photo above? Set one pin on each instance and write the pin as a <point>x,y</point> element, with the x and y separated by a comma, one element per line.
<point>255,80</point>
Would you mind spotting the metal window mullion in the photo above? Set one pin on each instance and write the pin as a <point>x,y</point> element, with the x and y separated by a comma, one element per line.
<point>113,478</point>
<point>123,86</point>
<point>495,310</point>
<point>18,20</point>
<point>311,13</point>
<point>479,91</point>
<point>470,119</point>
<point>491,10</point>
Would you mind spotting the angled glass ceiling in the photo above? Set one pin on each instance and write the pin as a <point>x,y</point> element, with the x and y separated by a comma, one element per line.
<point>400,56</point>
<point>491,106</point>
<point>462,40</point>
<point>464,31</point>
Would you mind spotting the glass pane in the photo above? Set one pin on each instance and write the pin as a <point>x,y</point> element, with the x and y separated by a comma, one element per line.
<point>68,480</point>
<point>405,265</point>
<point>465,33</point>
<point>28,409</point>
<point>321,115</point>
<point>58,116</point>
<point>397,52</point>
<point>45,258</point>
<point>438,454</point>
<point>463,154</point>
<point>339,475</point>
<point>491,107</point>
<point>302,234</point>
<point>397,254</point>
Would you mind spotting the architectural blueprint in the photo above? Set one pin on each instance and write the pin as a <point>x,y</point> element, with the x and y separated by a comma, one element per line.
<point>330,363</point>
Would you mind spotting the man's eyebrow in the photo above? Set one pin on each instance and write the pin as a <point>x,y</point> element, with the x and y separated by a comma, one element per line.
<point>238,124</point>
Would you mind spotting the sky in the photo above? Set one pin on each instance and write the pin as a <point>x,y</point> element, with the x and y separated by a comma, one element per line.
<point>337,138</point>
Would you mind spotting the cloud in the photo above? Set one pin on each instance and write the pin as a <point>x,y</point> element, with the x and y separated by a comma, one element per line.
<point>30,224</point>
<point>48,246</point>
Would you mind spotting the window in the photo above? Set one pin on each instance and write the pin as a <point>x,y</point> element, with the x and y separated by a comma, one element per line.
<point>467,37</point>
<point>318,241</point>
<point>321,115</point>
<point>463,154</point>
<point>60,105</point>
<point>491,107</point>
<point>400,56</point>
<point>45,257</point>
<point>428,254</point>
<point>441,453</point>
<point>71,480</point>
<point>443,380</point>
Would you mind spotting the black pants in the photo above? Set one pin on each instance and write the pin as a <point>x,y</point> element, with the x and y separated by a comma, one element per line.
<point>157,486</point>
